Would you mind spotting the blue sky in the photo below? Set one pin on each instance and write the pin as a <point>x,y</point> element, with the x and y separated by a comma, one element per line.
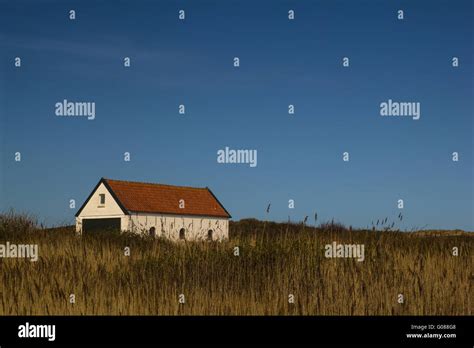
<point>282,62</point>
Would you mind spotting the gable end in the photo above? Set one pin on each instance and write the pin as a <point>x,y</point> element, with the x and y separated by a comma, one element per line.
<point>103,181</point>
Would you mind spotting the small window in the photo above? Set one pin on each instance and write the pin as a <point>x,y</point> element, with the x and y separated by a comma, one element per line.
<point>102,199</point>
<point>209,235</point>
<point>152,231</point>
<point>182,233</point>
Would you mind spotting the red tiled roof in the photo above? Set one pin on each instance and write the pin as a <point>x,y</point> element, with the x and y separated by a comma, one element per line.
<point>165,199</point>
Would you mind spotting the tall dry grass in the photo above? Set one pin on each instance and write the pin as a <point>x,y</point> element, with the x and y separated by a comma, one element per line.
<point>285,259</point>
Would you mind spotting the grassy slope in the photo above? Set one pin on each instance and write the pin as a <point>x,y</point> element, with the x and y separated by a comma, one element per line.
<point>275,260</point>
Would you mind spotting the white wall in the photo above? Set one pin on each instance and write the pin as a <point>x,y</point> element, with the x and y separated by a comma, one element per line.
<point>168,226</point>
<point>94,210</point>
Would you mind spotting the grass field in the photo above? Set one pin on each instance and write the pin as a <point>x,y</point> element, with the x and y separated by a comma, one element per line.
<point>275,260</point>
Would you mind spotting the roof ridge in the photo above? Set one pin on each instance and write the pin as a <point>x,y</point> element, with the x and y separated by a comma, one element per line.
<point>157,184</point>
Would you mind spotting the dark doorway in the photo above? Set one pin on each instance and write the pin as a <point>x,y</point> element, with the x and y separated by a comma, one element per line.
<point>209,235</point>
<point>101,225</point>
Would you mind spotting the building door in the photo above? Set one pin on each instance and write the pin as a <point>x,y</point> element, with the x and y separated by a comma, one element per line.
<point>101,225</point>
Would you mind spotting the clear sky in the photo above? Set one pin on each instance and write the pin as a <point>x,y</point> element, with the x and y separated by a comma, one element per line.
<point>282,62</point>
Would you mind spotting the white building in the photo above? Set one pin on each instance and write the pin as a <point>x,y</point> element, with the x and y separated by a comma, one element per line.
<point>174,212</point>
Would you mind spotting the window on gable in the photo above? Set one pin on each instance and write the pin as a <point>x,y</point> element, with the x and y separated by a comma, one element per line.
<point>102,199</point>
